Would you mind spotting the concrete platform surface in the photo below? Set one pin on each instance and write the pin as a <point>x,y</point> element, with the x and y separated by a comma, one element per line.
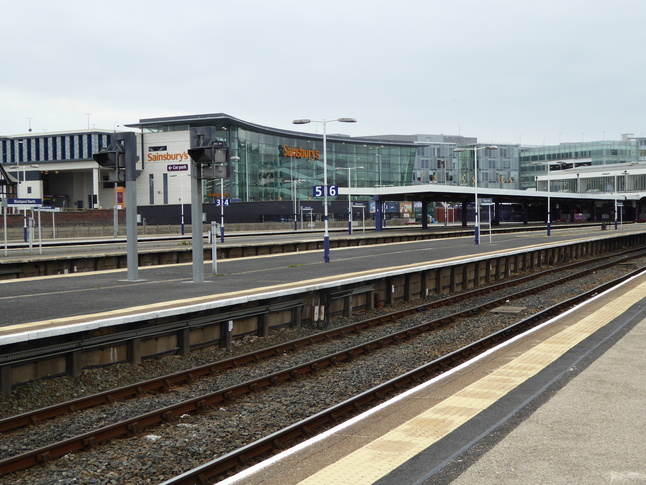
<point>592,431</point>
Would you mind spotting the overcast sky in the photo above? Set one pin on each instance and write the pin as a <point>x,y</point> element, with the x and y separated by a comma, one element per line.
<point>505,71</point>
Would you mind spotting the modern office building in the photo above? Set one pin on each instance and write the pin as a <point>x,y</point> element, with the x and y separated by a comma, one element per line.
<point>535,160</point>
<point>270,164</point>
<point>437,162</point>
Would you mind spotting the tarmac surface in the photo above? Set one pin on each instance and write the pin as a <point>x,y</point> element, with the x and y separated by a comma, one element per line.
<point>90,294</point>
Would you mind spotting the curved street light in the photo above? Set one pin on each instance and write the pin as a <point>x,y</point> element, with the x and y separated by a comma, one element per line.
<point>326,236</point>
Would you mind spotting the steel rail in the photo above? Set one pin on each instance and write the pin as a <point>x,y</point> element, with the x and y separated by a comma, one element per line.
<point>243,457</point>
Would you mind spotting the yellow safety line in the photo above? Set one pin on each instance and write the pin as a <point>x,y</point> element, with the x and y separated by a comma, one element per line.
<point>378,458</point>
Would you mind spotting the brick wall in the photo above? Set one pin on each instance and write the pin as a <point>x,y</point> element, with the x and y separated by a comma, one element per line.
<point>70,218</point>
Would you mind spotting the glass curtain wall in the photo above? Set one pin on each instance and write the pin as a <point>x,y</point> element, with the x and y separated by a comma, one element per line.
<point>489,172</point>
<point>605,152</point>
<point>273,167</point>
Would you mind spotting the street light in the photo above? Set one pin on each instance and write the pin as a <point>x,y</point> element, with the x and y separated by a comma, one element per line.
<point>326,236</point>
<point>181,199</point>
<point>349,169</point>
<point>475,169</point>
<point>549,204</point>
<point>616,190</point>
<point>621,213</point>
<point>549,210</point>
<point>293,183</point>
<point>232,159</point>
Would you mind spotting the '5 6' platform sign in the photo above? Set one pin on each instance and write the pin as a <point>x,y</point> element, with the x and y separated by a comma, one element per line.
<point>319,190</point>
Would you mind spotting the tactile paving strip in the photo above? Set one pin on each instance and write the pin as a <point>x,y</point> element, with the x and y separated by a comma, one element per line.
<point>378,458</point>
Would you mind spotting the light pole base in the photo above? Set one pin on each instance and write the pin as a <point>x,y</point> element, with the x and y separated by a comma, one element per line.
<point>477,232</point>
<point>326,248</point>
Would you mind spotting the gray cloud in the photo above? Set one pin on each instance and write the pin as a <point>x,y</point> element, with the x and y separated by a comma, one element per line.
<point>502,70</point>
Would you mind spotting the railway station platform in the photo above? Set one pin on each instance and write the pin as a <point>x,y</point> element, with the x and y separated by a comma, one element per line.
<point>448,428</point>
<point>563,404</point>
<point>72,298</point>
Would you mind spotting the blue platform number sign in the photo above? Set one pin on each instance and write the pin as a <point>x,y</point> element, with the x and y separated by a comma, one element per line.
<point>225,202</point>
<point>319,190</point>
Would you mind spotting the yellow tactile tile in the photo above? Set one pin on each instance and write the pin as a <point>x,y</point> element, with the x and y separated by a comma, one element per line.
<point>375,460</point>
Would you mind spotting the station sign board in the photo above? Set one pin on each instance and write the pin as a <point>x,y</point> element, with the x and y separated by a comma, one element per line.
<point>23,202</point>
<point>323,190</point>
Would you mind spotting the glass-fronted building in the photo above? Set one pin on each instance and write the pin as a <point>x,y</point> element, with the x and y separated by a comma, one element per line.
<point>497,167</point>
<point>535,160</point>
<point>615,179</point>
<point>270,164</point>
<point>437,162</point>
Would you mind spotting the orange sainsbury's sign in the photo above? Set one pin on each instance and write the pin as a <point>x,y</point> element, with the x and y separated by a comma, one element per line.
<point>300,152</point>
<point>166,157</point>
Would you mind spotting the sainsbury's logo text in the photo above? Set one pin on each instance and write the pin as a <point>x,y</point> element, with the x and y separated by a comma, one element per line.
<point>300,153</point>
<point>165,157</point>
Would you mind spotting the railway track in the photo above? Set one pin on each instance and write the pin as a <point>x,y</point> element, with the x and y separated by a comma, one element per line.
<point>203,403</point>
<point>241,458</point>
